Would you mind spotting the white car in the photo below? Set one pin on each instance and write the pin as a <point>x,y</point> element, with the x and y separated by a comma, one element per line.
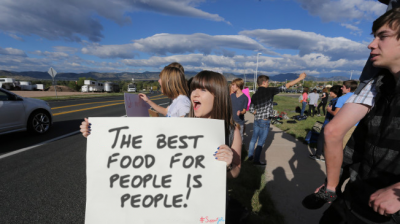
<point>20,114</point>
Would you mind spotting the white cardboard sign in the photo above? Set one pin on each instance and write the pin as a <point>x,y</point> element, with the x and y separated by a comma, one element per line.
<point>147,170</point>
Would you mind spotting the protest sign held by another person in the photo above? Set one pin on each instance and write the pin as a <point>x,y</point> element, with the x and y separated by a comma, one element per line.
<point>134,106</point>
<point>139,175</point>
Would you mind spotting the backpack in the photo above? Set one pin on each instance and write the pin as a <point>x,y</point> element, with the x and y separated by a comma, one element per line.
<point>312,137</point>
<point>317,126</point>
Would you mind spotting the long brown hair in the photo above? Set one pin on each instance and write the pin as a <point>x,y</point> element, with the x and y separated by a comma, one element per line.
<point>177,65</point>
<point>217,85</point>
<point>173,82</point>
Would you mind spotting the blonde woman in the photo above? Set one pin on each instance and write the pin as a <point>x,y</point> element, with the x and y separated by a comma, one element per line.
<point>174,86</point>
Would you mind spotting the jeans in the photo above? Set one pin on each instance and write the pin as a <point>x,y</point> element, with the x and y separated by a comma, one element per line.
<point>323,105</point>
<point>311,110</point>
<point>303,108</point>
<point>260,132</point>
<point>320,144</point>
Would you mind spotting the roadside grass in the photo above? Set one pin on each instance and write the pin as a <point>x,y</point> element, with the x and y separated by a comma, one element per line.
<point>298,130</point>
<point>249,189</point>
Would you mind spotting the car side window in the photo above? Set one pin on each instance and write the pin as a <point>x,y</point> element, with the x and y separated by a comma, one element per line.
<point>4,96</point>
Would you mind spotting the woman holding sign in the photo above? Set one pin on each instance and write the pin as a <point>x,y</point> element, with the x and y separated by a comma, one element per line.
<point>210,99</point>
<point>174,86</point>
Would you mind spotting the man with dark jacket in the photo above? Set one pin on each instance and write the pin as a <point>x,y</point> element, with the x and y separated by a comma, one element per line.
<point>372,155</point>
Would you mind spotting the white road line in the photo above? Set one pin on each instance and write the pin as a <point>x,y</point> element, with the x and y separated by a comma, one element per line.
<point>45,142</point>
<point>37,145</point>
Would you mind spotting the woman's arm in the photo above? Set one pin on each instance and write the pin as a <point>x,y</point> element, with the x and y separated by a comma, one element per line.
<point>156,107</point>
<point>237,153</point>
<point>231,155</point>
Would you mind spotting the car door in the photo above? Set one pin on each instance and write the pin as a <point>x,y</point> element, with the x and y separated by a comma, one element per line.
<point>12,112</point>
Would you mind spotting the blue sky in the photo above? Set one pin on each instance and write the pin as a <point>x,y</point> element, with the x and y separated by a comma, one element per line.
<point>320,37</point>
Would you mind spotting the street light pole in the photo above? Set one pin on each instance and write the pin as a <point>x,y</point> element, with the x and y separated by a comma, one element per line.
<point>351,74</point>
<point>255,78</point>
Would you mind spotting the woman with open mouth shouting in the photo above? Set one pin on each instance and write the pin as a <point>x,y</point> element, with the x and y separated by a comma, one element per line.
<point>210,99</point>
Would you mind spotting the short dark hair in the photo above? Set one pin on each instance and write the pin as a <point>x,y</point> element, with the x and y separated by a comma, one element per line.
<point>350,84</point>
<point>314,90</point>
<point>305,90</point>
<point>337,89</point>
<point>390,18</point>
<point>261,79</point>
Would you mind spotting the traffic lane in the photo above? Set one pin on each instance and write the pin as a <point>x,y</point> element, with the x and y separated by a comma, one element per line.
<point>55,103</point>
<point>63,124</point>
<point>75,106</point>
<point>83,100</point>
<point>45,184</point>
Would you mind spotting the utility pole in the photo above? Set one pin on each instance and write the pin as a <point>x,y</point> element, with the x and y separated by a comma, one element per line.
<point>255,77</point>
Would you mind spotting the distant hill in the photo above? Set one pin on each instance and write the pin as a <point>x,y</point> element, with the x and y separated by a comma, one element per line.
<point>35,75</point>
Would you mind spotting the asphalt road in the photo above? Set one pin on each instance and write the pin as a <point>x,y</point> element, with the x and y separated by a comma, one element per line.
<point>47,183</point>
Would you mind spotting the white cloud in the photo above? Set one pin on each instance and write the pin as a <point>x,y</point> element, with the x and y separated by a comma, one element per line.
<point>12,51</point>
<point>15,37</point>
<point>51,54</point>
<point>70,50</point>
<point>164,43</point>
<point>343,10</point>
<point>61,64</point>
<point>309,42</point>
<point>315,62</point>
<point>69,20</point>
<point>355,30</point>
<point>110,51</point>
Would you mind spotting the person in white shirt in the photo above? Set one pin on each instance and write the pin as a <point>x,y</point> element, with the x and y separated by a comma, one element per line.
<point>174,86</point>
<point>313,102</point>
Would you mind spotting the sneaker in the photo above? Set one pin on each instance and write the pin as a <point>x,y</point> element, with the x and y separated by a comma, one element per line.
<point>317,200</point>
<point>320,159</point>
<point>311,156</point>
<point>250,158</point>
<point>318,115</point>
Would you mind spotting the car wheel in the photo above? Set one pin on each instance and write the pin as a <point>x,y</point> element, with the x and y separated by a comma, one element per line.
<point>39,122</point>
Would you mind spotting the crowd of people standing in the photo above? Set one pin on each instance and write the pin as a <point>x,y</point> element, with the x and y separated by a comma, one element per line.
<point>359,138</point>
